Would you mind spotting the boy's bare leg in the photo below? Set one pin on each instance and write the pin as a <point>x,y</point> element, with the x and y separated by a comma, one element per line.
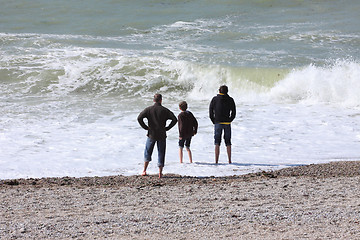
<point>146,164</point>
<point>160,172</point>
<point>228,149</point>
<point>181,155</point>
<point>189,153</point>
<point>217,153</point>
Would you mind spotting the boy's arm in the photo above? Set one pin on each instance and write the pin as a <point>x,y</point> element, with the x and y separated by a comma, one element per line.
<point>233,111</point>
<point>180,125</point>
<point>195,124</point>
<point>211,111</point>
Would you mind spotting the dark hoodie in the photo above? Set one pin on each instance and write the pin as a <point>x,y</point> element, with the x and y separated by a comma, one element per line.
<point>222,109</point>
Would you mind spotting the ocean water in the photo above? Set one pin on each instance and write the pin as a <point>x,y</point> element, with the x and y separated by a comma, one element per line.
<point>74,75</point>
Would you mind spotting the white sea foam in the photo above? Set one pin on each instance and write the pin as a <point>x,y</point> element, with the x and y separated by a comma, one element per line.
<point>71,86</point>
<point>78,135</point>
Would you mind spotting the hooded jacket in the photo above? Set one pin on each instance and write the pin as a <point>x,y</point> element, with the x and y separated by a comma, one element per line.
<point>222,109</point>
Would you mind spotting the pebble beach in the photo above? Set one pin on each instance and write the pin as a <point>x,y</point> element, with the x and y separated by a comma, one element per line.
<point>320,201</point>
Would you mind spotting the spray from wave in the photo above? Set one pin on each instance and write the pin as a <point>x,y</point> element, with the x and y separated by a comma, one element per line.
<point>338,84</point>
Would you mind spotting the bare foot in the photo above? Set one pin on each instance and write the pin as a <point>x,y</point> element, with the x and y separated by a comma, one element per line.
<point>160,175</point>
<point>143,174</point>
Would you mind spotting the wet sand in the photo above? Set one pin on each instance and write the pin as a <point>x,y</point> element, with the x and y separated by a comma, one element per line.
<point>307,202</point>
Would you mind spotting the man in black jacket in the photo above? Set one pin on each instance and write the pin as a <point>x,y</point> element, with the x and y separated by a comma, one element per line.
<point>157,115</point>
<point>222,112</point>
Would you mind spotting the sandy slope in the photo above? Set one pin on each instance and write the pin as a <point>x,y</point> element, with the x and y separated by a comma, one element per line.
<point>309,202</point>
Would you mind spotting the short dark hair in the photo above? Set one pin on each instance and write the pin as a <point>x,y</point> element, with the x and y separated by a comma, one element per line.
<point>183,105</point>
<point>157,98</point>
<point>223,89</point>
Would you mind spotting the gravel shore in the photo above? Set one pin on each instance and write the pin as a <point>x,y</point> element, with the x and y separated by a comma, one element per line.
<point>307,202</point>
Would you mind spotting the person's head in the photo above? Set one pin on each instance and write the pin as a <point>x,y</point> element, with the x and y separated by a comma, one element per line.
<point>223,89</point>
<point>158,98</point>
<point>183,106</point>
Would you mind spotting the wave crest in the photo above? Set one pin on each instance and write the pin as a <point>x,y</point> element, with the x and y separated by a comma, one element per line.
<point>336,84</point>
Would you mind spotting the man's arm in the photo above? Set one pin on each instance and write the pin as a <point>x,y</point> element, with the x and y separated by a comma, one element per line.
<point>140,119</point>
<point>173,121</point>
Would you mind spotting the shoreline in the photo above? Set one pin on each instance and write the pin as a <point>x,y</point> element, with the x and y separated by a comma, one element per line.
<point>324,170</point>
<point>319,201</point>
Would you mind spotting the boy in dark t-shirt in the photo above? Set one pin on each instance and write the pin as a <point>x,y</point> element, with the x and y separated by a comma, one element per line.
<point>188,126</point>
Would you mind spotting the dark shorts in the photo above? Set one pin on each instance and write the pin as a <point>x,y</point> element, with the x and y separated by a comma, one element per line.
<point>218,129</point>
<point>185,142</point>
